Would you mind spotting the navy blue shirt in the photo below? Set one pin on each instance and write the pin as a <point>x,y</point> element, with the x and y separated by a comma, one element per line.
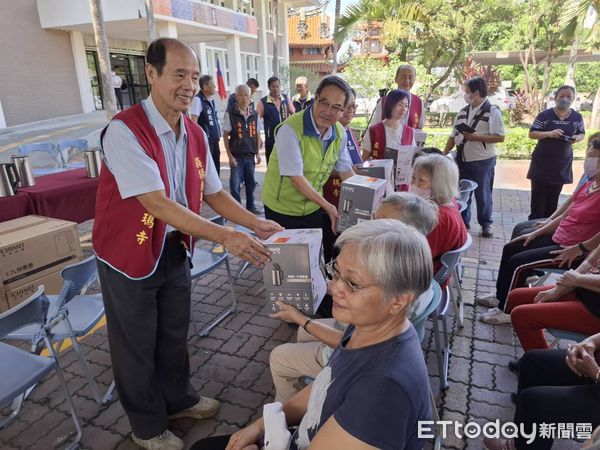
<point>376,393</point>
<point>552,159</point>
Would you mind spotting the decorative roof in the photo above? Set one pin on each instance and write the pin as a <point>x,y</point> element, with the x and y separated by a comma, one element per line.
<point>313,31</point>
<point>315,66</point>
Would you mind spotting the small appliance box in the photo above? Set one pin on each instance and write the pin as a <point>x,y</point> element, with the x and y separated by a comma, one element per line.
<point>402,157</point>
<point>33,250</point>
<point>379,168</point>
<point>294,274</point>
<point>359,198</point>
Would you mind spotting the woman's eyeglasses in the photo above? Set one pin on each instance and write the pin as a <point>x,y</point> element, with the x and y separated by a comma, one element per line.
<point>334,274</point>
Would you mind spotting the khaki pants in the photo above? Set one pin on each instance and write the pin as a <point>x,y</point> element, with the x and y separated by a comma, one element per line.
<point>290,363</point>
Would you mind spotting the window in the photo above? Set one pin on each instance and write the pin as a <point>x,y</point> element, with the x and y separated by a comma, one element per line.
<point>247,7</point>
<point>270,16</point>
<point>211,56</point>
<point>375,46</point>
<point>250,65</point>
<point>311,51</point>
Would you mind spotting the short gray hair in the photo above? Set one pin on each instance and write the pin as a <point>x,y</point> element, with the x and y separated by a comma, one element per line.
<point>444,177</point>
<point>413,210</point>
<point>396,255</point>
<point>243,87</point>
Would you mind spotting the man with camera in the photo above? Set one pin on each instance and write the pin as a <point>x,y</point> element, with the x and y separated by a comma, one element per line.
<point>477,129</point>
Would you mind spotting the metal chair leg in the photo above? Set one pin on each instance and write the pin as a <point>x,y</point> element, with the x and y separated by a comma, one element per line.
<point>109,392</point>
<point>229,310</point>
<point>439,351</point>
<point>438,440</point>
<point>74,444</point>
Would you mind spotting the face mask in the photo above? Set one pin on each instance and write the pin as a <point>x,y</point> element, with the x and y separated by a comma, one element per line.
<point>423,193</point>
<point>590,167</point>
<point>467,98</point>
<point>563,103</point>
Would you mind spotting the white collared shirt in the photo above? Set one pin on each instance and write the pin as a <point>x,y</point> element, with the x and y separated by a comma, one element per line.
<point>136,173</point>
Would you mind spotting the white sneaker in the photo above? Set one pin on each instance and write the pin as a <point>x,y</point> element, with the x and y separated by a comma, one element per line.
<point>489,301</point>
<point>164,441</point>
<point>495,317</point>
<point>205,408</point>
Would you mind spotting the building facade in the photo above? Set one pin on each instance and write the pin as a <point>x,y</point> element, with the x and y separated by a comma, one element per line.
<point>310,42</point>
<point>51,66</point>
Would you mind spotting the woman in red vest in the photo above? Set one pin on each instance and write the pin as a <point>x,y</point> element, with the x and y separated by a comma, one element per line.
<point>391,133</point>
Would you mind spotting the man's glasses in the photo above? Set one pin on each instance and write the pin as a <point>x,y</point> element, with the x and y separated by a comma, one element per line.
<point>325,104</point>
<point>334,274</point>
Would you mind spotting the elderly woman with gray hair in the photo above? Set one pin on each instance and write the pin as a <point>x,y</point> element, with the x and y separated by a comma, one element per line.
<point>374,389</point>
<point>292,362</point>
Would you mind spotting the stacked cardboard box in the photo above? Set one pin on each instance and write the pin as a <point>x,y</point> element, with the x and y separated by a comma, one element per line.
<point>402,157</point>
<point>379,168</point>
<point>294,274</point>
<point>33,251</point>
<point>359,198</point>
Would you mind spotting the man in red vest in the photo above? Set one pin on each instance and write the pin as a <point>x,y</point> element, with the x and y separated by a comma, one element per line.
<point>406,76</point>
<point>157,170</point>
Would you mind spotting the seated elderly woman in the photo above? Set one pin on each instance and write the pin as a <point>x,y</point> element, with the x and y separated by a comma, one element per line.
<point>572,305</point>
<point>435,177</point>
<point>556,386</point>
<point>290,363</point>
<point>580,223</point>
<point>374,389</point>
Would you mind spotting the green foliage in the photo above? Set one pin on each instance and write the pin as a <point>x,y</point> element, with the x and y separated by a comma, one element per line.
<point>586,76</point>
<point>367,75</point>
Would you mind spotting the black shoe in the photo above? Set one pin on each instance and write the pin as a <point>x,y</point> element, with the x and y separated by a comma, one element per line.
<point>514,366</point>
<point>487,232</point>
<point>255,211</point>
<point>513,397</point>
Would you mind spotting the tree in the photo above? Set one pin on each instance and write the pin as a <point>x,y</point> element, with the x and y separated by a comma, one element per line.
<point>367,75</point>
<point>109,98</point>
<point>152,34</point>
<point>338,5</point>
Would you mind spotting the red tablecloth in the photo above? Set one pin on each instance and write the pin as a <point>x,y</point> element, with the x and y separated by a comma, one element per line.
<point>68,195</point>
<point>18,205</point>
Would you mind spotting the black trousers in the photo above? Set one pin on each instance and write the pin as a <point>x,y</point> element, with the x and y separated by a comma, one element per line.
<point>215,152</point>
<point>147,324</point>
<point>119,95</point>
<point>544,199</point>
<point>549,392</point>
<point>269,144</point>
<point>515,255</point>
<point>524,227</point>
<point>313,220</point>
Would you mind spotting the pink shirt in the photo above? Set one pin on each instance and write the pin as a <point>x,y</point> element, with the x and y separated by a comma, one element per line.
<point>583,218</point>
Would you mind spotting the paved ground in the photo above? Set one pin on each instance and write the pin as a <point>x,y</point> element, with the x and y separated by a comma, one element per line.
<point>232,363</point>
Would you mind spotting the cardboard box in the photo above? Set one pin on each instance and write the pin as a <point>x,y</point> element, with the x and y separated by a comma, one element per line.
<point>379,168</point>
<point>34,247</point>
<point>420,138</point>
<point>52,283</point>
<point>295,274</point>
<point>402,157</point>
<point>359,198</point>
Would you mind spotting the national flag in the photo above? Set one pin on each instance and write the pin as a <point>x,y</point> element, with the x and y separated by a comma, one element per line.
<point>220,82</point>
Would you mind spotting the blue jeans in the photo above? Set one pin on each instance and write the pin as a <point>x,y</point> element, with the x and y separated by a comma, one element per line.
<point>481,172</point>
<point>243,172</point>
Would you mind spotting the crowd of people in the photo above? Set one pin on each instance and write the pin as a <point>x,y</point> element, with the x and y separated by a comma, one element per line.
<point>369,384</point>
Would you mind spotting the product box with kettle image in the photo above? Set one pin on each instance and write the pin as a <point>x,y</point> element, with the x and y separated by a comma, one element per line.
<point>379,168</point>
<point>295,273</point>
<point>403,158</point>
<point>359,198</point>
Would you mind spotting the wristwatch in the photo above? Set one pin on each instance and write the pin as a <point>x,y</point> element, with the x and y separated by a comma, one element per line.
<point>582,248</point>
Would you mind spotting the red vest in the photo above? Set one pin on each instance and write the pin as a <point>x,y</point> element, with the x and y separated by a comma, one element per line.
<point>125,235</point>
<point>378,144</point>
<point>377,134</point>
<point>331,189</point>
<point>415,111</point>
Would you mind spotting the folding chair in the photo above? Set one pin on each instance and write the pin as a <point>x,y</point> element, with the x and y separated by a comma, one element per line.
<point>424,306</point>
<point>71,315</point>
<point>465,187</point>
<point>20,370</point>
<point>45,158</point>
<point>71,151</point>
<point>204,262</point>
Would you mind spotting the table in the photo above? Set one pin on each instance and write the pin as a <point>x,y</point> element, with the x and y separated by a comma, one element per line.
<point>16,206</point>
<point>68,195</point>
